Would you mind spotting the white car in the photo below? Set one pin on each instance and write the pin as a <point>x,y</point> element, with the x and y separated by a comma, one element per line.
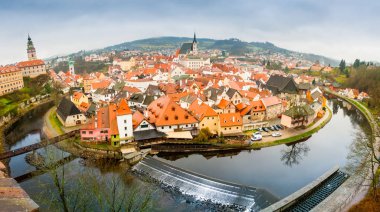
<point>276,134</point>
<point>256,137</point>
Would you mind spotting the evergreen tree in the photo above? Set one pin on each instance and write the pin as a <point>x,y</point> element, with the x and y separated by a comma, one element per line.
<point>356,63</point>
<point>342,66</point>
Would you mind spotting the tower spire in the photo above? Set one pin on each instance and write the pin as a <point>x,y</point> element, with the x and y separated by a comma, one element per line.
<point>30,49</point>
<point>195,38</point>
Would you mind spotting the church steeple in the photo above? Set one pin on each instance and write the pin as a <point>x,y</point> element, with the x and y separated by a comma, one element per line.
<point>195,38</point>
<point>30,49</point>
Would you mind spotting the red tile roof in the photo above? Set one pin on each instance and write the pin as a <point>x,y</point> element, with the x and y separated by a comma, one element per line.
<point>137,118</point>
<point>123,108</point>
<point>30,63</point>
<point>9,69</point>
<point>164,111</point>
<point>201,110</point>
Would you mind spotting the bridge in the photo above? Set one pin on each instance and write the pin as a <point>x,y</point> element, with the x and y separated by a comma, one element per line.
<point>43,143</point>
<point>204,188</point>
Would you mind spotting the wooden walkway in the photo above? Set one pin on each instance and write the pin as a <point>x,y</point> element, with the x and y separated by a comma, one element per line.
<point>43,143</point>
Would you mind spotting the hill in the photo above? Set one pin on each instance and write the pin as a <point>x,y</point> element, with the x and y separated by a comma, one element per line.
<point>233,46</point>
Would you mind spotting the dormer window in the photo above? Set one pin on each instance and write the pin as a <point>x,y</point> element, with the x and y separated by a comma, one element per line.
<point>173,108</point>
<point>176,117</point>
<point>166,118</point>
<point>186,117</point>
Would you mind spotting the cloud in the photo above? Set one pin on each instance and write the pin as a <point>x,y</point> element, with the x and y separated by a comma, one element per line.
<point>336,28</point>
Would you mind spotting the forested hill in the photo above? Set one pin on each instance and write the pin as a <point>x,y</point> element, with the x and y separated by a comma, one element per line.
<point>233,46</point>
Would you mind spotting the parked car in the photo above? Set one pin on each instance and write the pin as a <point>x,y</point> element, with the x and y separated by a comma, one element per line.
<point>275,128</point>
<point>272,128</point>
<point>260,129</point>
<point>265,129</point>
<point>280,127</point>
<point>256,137</point>
<point>276,134</point>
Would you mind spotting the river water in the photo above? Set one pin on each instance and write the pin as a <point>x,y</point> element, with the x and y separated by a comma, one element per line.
<point>281,170</point>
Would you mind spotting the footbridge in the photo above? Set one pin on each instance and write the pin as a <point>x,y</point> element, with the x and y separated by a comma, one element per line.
<point>205,188</point>
<point>43,143</point>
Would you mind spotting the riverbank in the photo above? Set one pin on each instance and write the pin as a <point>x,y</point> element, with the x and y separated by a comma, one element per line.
<point>354,189</point>
<point>295,135</point>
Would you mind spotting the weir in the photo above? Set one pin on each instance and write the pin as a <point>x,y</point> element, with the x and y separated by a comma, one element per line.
<point>204,188</point>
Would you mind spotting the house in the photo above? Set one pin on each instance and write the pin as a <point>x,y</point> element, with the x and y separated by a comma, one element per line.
<point>258,110</point>
<point>103,95</point>
<point>273,106</point>
<point>279,84</point>
<point>98,128</point>
<point>69,114</point>
<point>168,116</point>
<point>78,98</point>
<point>225,106</point>
<point>230,123</point>
<point>124,122</point>
<point>140,123</point>
<point>234,96</point>
<point>206,116</point>
<point>298,116</point>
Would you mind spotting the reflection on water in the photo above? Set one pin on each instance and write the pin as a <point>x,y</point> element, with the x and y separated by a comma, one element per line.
<point>279,169</point>
<point>284,169</point>
<point>293,154</point>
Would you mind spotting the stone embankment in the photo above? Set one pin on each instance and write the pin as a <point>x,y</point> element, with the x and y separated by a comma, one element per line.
<point>12,196</point>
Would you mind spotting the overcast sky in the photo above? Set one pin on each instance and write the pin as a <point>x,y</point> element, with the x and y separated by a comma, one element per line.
<point>338,29</point>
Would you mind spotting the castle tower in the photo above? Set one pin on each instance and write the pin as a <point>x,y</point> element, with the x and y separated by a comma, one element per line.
<point>71,67</point>
<point>31,50</point>
<point>195,45</point>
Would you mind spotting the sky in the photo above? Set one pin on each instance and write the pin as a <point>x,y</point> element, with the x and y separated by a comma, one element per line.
<point>340,29</point>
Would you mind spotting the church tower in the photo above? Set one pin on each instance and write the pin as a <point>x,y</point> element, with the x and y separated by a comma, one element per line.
<point>31,50</point>
<point>195,45</point>
<point>71,67</point>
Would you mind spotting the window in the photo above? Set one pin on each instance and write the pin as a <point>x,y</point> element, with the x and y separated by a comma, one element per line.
<point>125,128</point>
<point>225,128</point>
<point>237,127</point>
<point>90,132</point>
<point>83,132</point>
<point>126,135</point>
<point>203,125</point>
<point>170,127</point>
<point>114,136</point>
<point>125,121</point>
<point>144,126</point>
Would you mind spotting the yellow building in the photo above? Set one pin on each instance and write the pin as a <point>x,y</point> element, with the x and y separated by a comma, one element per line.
<point>207,117</point>
<point>32,68</point>
<point>10,79</point>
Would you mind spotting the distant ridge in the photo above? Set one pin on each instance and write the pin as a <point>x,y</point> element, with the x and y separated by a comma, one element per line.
<point>233,46</point>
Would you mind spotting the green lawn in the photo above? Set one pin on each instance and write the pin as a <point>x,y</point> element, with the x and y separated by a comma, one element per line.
<point>55,123</point>
<point>101,146</point>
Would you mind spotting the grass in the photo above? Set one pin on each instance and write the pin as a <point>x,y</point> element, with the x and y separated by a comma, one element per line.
<point>250,132</point>
<point>55,123</point>
<point>341,79</point>
<point>294,138</point>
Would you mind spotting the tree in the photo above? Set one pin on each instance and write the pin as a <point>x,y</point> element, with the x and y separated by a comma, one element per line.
<point>363,160</point>
<point>356,63</point>
<point>203,135</point>
<point>342,66</point>
<point>90,190</point>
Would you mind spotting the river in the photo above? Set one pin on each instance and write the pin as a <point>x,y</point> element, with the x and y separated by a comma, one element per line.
<point>281,170</point>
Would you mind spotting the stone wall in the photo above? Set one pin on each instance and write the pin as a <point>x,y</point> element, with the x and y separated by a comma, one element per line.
<point>12,196</point>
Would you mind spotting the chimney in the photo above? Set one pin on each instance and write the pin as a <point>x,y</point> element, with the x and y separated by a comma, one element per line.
<point>233,118</point>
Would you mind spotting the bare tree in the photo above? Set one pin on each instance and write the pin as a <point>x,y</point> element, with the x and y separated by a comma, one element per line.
<point>293,154</point>
<point>363,161</point>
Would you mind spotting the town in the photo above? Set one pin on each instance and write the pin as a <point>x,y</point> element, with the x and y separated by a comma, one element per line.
<point>190,99</point>
<point>147,96</point>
